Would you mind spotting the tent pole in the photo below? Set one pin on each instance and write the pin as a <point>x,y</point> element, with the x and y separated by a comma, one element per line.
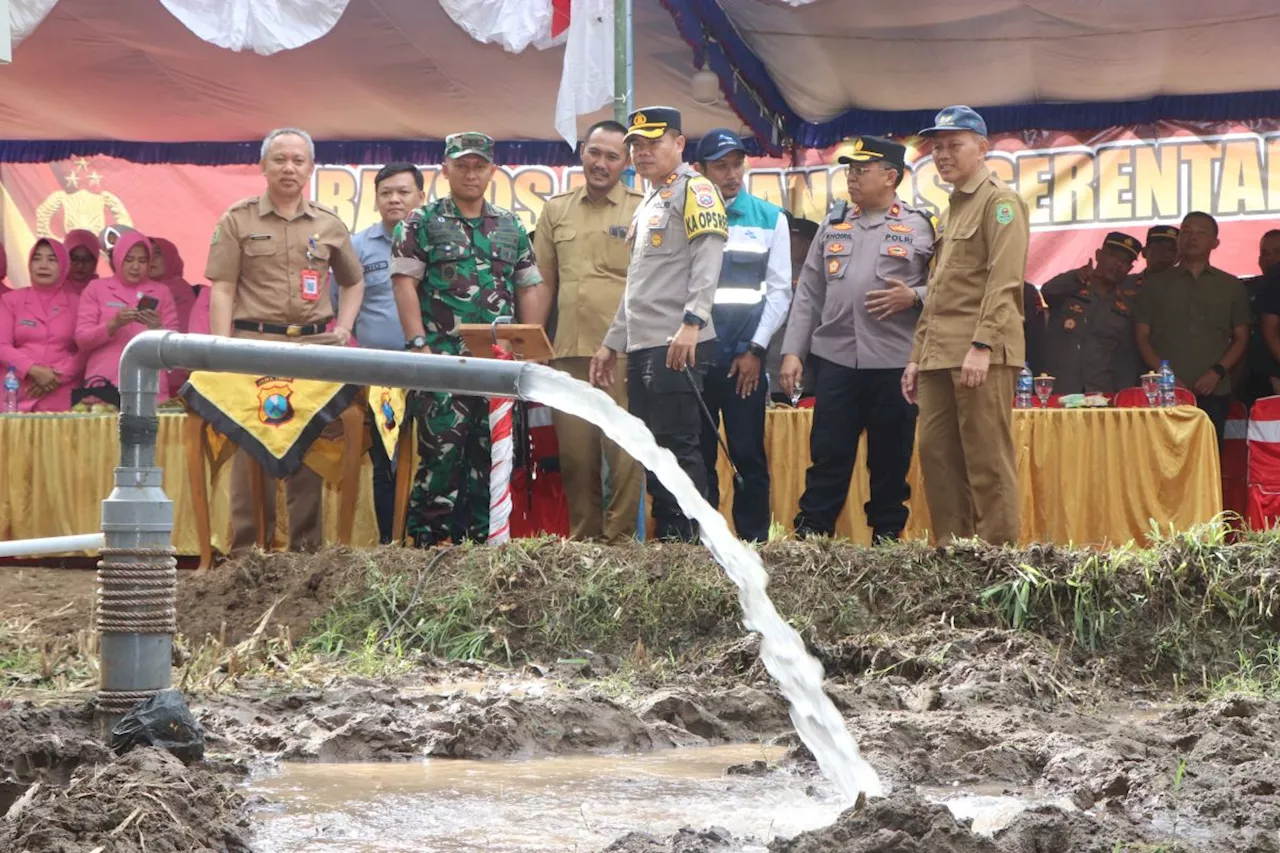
<point>623,71</point>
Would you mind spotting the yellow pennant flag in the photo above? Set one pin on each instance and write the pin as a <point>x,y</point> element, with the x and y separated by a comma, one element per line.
<point>275,418</point>
<point>389,409</point>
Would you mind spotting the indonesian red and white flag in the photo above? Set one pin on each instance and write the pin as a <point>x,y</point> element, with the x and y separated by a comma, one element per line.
<point>584,27</point>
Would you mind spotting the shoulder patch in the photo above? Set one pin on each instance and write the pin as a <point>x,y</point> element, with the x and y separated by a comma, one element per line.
<point>1004,212</point>
<point>703,210</point>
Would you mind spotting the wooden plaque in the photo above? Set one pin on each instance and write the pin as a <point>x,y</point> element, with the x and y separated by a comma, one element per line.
<point>529,342</point>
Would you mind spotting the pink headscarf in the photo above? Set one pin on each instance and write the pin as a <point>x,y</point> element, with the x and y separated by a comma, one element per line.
<point>173,265</point>
<point>82,239</point>
<point>126,242</point>
<point>60,253</point>
<point>184,297</point>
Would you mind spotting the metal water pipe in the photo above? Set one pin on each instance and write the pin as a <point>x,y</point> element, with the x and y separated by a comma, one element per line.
<point>137,575</point>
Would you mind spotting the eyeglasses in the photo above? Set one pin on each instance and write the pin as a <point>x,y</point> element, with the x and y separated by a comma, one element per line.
<point>859,171</point>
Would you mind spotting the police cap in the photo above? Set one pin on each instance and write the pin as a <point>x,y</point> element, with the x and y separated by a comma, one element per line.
<point>1124,243</point>
<point>876,149</point>
<point>652,122</point>
<point>1162,232</point>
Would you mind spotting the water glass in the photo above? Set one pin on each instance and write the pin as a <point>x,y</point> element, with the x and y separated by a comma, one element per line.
<point>1044,389</point>
<point>1151,387</point>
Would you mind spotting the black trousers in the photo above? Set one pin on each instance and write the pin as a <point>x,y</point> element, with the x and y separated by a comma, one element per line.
<point>849,402</point>
<point>1217,407</point>
<point>664,399</point>
<point>744,433</point>
<point>384,490</point>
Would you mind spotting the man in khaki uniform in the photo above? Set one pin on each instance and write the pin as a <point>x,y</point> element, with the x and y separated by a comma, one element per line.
<point>664,319</point>
<point>581,247</point>
<point>269,264</point>
<point>969,343</point>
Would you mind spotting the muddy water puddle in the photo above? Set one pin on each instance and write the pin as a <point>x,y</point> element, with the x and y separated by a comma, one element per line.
<point>562,804</point>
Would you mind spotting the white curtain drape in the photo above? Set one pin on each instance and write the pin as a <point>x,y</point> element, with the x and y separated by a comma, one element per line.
<point>262,26</point>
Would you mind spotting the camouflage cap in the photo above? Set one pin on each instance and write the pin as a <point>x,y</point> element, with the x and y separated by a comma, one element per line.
<point>471,142</point>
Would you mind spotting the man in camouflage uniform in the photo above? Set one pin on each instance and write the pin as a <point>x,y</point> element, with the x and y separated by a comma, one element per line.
<point>458,260</point>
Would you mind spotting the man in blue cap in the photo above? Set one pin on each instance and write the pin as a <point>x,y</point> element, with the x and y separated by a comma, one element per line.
<point>969,343</point>
<point>751,302</point>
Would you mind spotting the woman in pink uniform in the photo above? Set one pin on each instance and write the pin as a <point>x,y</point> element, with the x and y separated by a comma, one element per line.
<point>37,332</point>
<point>83,249</point>
<point>166,268</point>
<point>200,312</point>
<point>115,310</point>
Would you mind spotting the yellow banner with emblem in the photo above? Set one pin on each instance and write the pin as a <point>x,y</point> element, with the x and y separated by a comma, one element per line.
<point>389,407</point>
<point>277,419</point>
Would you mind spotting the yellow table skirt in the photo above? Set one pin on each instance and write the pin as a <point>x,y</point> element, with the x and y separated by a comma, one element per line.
<point>58,468</point>
<point>1085,476</point>
<point>1088,477</point>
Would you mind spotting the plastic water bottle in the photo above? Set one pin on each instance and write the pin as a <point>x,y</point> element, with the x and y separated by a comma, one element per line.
<point>11,391</point>
<point>1026,385</point>
<point>1167,383</point>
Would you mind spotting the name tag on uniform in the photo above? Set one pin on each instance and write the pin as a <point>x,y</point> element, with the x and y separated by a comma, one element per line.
<point>115,305</point>
<point>31,323</point>
<point>259,236</point>
<point>374,267</point>
<point>310,285</point>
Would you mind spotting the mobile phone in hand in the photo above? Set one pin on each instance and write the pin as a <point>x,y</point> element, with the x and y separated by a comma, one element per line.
<point>148,303</point>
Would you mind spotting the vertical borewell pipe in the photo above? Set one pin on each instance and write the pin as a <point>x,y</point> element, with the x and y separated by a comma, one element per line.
<point>137,575</point>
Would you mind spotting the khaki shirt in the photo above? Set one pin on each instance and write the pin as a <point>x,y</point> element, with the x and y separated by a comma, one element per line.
<point>1089,344</point>
<point>265,254</point>
<point>975,291</point>
<point>677,238</point>
<point>586,244</point>
<point>1192,319</point>
<point>847,260</point>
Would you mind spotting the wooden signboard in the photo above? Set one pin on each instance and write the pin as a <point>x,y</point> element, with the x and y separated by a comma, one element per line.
<point>529,342</point>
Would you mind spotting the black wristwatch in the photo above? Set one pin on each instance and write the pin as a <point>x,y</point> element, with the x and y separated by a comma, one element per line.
<point>757,350</point>
<point>416,343</point>
<point>1219,369</point>
<point>692,319</point>
<point>980,345</point>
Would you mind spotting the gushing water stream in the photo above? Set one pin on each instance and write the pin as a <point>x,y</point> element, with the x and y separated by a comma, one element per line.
<point>799,675</point>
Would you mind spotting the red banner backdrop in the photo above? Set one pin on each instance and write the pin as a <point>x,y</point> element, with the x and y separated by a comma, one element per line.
<point>1079,186</point>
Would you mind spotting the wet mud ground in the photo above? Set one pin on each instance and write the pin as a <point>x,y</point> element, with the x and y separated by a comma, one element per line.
<point>1128,763</point>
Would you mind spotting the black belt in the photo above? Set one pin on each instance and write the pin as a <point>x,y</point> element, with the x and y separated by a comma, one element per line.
<point>278,329</point>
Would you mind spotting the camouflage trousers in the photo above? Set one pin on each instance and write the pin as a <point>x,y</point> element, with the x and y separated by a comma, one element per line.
<point>450,498</point>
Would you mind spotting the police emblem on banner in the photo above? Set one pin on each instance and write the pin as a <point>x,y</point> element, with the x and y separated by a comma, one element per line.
<point>274,407</point>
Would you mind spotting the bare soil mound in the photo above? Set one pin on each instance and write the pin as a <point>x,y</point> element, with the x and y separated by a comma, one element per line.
<point>62,791</point>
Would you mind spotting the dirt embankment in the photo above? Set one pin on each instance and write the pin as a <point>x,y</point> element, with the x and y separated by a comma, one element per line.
<point>1185,607</point>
